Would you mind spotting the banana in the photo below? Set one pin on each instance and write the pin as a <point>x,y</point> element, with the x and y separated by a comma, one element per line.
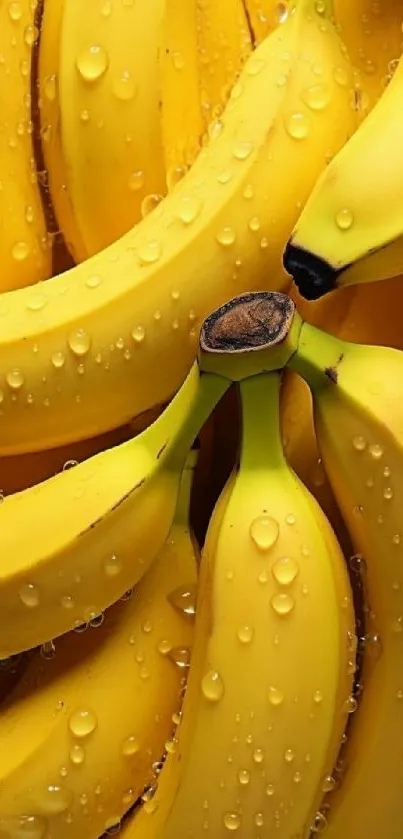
<point>359,422</point>
<point>126,321</point>
<point>224,44</point>
<point>351,228</point>
<point>265,15</point>
<point>374,314</point>
<point>257,738</point>
<point>25,253</point>
<point>78,747</point>
<point>109,516</point>
<point>181,112</point>
<point>372,33</point>
<point>109,120</point>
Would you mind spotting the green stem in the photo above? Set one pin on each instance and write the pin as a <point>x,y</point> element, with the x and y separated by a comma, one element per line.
<point>318,357</point>
<point>261,438</point>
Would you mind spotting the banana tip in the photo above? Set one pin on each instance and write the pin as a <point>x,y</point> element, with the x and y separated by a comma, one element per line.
<point>312,275</point>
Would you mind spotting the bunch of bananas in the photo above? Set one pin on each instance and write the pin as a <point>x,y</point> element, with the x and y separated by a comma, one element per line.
<point>200,460</point>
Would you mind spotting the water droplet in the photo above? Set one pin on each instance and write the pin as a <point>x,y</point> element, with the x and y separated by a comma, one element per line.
<point>226,236</point>
<point>92,63</point>
<point>48,650</point>
<point>77,754</point>
<point>215,129</point>
<point>270,790</point>
<point>212,686</point>
<point>29,595</point>
<point>149,204</point>
<point>397,625</point>
<point>82,722</point>
<point>396,539</point>
<point>297,125</point>
<point>36,302</point>
<point>317,97</point>
<point>282,604</point>
<point>289,755</point>
<point>20,251</point>
<point>321,6</point>
<point>319,823</point>
<point>359,443</point>
<point>224,177</point>
<point>243,149</point>
<point>79,342</point>
<point>276,696</point>
<point>344,219</point>
<point>93,281</point>
<point>264,532</point>
<point>350,705</point>
<point>174,175</point>
<point>376,451</point>
<point>318,697</point>
<point>150,251</point>
<point>258,819</point>
<point>232,821</point>
<point>136,180</point>
<point>180,656</point>
<point>58,360</point>
<point>248,192</point>
<point>55,799</point>
<point>113,566</point>
<point>124,87</point>
<point>15,379</point>
<point>31,34</point>
<point>190,207</point>
<point>178,60</point>
<point>341,76</point>
<point>254,224</point>
<point>138,334</point>
<point>285,570</point>
<point>388,493</point>
<point>329,784</point>
<point>184,599</point>
<point>244,777</point>
<point>258,756</point>
<point>15,11</point>
<point>164,646</point>
<point>130,746</point>
<point>290,519</point>
<point>245,634</point>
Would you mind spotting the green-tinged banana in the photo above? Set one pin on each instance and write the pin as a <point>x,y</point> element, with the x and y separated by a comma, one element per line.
<point>83,734</point>
<point>91,532</point>
<point>118,333</point>
<point>25,253</point>
<point>372,33</point>
<point>107,90</point>
<point>258,738</point>
<point>359,422</point>
<point>224,44</point>
<point>351,230</point>
<point>181,111</point>
<point>265,15</point>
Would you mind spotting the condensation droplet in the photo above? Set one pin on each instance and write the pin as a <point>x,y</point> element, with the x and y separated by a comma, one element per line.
<point>15,11</point>
<point>184,599</point>
<point>245,634</point>
<point>113,566</point>
<point>388,493</point>
<point>79,342</point>
<point>329,784</point>
<point>92,63</point>
<point>150,251</point>
<point>130,746</point>
<point>226,236</point>
<point>136,180</point>
<point>276,696</point>
<point>54,799</point>
<point>212,686</point>
<point>36,302</point>
<point>232,821</point>
<point>243,149</point>
<point>180,656</point>
<point>82,722</point>
<point>282,604</point>
<point>29,595</point>
<point>124,87</point>
<point>15,379</point>
<point>297,125</point>
<point>341,76</point>
<point>258,756</point>
<point>289,755</point>
<point>285,570</point>
<point>344,219</point>
<point>317,97</point>
<point>359,443</point>
<point>376,451</point>
<point>264,532</point>
<point>190,207</point>
<point>244,777</point>
<point>77,754</point>
<point>350,705</point>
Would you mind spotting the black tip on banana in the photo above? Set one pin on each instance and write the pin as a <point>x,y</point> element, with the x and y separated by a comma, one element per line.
<point>312,275</point>
<point>248,322</point>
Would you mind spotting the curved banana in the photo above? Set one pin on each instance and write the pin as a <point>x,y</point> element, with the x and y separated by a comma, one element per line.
<point>351,230</point>
<point>109,517</point>
<point>109,119</point>
<point>78,745</point>
<point>265,15</point>
<point>372,33</point>
<point>224,44</point>
<point>258,738</point>
<point>359,421</point>
<point>125,322</point>
<point>181,112</point>
<point>25,254</point>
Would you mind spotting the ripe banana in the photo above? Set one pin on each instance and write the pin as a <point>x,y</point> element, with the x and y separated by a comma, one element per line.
<point>224,44</point>
<point>258,739</point>
<point>351,228</point>
<point>372,33</point>
<point>265,15</point>
<point>25,253</point>
<point>109,517</point>
<point>109,118</point>
<point>125,322</point>
<point>78,746</point>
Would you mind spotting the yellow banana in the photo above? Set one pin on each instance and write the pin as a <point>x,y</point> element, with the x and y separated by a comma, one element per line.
<point>109,121</point>
<point>258,738</point>
<point>224,44</point>
<point>82,735</point>
<point>181,112</point>
<point>358,419</point>
<point>372,33</point>
<point>351,230</point>
<point>265,15</point>
<point>25,253</point>
<point>125,322</point>
<point>109,517</point>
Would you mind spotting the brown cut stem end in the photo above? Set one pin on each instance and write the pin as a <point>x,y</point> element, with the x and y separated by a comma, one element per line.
<point>250,322</point>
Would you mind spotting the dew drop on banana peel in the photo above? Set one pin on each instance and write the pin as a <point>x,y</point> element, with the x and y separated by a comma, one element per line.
<point>297,125</point>
<point>344,219</point>
<point>276,696</point>
<point>183,599</point>
<point>79,342</point>
<point>189,208</point>
<point>136,180</point>
<point>226,237</point>
<point>232,821</point>
<point>82,723</point>
<point>20,251</point>
<point>264,532</point>
<point>317,97</point>
<point>29,595</point>
<point>180,657</point>
<point>77,754</point>
<point>212,686</point>
<point>245,634</point>
<point>244,777</point>
<point>150,251</point>
<point>113,565</point>
<point>23,827</point>
<point>285,570</point>
<point>130,746</point>
<point>124,86</point>
<point>92,63</point>
<point>55,799</point>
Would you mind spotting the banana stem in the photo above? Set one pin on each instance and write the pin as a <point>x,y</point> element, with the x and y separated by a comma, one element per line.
<point>318,357</point>
<point>185,491</point>
<point>261,439</point>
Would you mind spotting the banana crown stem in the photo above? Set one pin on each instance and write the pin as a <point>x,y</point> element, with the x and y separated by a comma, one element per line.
<point>261,439</point>
<point>318,357</point>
